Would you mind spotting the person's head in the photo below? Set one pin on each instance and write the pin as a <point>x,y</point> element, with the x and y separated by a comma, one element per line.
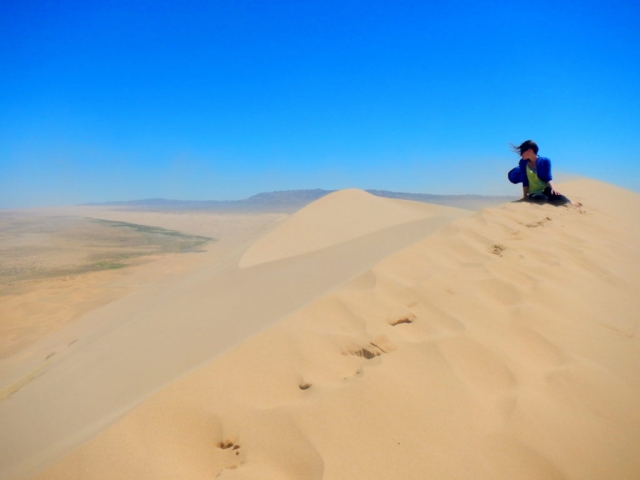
<point>527,150</point>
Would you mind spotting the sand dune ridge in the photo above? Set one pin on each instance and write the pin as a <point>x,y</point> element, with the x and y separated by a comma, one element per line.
<point>336,218</point>
<point>503,346</point>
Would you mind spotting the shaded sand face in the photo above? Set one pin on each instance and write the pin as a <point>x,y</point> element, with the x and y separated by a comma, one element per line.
<point>176,313</point>
<point>503,346</point>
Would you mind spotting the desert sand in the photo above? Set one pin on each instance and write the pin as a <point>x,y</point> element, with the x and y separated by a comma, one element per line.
<point>171,315</point>
<point>333,344</point>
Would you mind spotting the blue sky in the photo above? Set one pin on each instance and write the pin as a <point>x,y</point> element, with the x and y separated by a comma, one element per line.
<point>194,100</point>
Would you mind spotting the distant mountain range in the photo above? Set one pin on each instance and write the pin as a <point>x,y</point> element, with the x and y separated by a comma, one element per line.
<point>291,200</point>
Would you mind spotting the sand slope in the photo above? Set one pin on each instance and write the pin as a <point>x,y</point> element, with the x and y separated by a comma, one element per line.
<point>336,218</point>
<point>503,346</point>
<point>67,387</point>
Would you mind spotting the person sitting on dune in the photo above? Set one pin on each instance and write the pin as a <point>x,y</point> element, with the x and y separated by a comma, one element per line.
<point>534,173</point>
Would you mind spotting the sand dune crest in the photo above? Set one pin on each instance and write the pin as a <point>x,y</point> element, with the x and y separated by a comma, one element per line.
<point>334,219</point>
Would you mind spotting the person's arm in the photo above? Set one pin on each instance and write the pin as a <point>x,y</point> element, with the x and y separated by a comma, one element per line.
<point>553,190</point>
<point>525,192</point>
<point>544,172</point>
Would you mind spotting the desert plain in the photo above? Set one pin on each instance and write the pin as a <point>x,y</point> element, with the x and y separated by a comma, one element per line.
<point>358,338</point>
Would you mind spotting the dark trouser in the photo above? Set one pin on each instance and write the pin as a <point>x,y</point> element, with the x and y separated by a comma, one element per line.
<point>548,197</point>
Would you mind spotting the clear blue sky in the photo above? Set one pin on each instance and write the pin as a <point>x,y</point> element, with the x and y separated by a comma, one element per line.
<point>126,100</point>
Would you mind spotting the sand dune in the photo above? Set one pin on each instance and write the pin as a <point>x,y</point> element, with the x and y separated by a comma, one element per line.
<point>336,218</point>
<point>503,346</point>
<point>176,316</point>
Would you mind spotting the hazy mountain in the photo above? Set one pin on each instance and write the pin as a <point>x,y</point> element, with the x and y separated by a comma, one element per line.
<point>292,200</point>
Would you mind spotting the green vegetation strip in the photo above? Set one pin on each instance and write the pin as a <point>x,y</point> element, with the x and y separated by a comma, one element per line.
<point>167,240</point>
<point>110,265</point>
<point>153,230</point>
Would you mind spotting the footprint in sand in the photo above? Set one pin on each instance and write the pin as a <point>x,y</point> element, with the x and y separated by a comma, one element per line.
<point>497,249</point>
<point>407,328</point>
<point>539,223</point>
<point>408,318</point>
<point>234,456</point>
<point>374,348</point>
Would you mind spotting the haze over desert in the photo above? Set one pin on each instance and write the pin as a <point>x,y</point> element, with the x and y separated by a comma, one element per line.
<point>359,337</point>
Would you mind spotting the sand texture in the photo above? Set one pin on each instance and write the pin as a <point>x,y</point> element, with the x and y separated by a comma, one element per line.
<point>498,345</point>
<point>175,314</point>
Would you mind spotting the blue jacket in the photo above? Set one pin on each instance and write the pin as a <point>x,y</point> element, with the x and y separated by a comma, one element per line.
<point>543,170</point>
